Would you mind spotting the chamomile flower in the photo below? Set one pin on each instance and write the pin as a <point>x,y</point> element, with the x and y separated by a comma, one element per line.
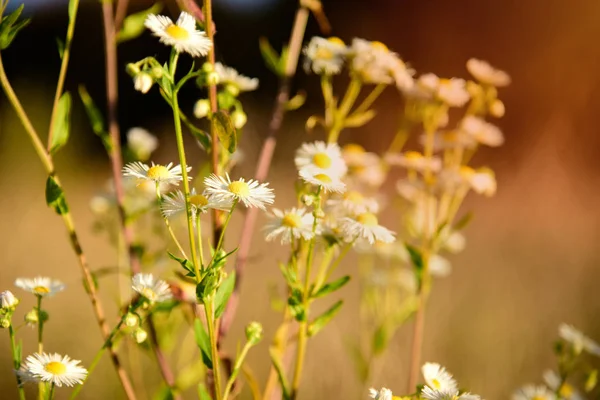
<point>182,35</point>
<point>8,300</point>
<point>532,392</point>
<point>353,202</point>
<point>40,286</point>
<point>251,192</point>
<point>413,160</point>
<point>329,183</point>
<point>483,132</point>
<point>366,226</point>
<point>174,203</point>
<point>382,394</point>
<point>485,73</point>
<point>141,142</point>
<point>325,56</point>
<point>438,378</point>
<point>322,157</point>
<point>567,392</point>
<point>364,168</point>
<point>578,340</point>
<point>433,394</point>
<point>153,290</point>
<point>373,62</point>
<point>482,180</point>
<point>295,223</point>
<point>233,80</point>
<point>53,368</point>
<point>167,174</point>
<point>439,266</point>
<point>451,91</point>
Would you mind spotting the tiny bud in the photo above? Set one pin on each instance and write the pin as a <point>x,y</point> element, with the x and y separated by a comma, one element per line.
<point>208,67</point>
<point>132,69</point>
<point>308,200</point>
<point>31,318</point>
<point>4,322</point>
<point>497,109</point>
<point>8,301</point>
<point>43,316</point>
<point>131,320</point>
<point>239,119</point>
<point>254,332</point>
<point>320,213</point>
<point>99,205</point>
<point>201,108</point>
<point>140,335</point>
<point>157,72</point>
<point>233,89</point>
<point>143,82</point>
<point>212,78</point>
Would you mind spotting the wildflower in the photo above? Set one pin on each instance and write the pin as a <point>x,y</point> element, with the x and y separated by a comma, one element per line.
<point>181,35</point>
<point>566,390</point>
<point>578,340</point>
<point>153,290</point>
<point>239,119</point>
<point>364,168</point>
<point>434,394</point>
<point>485,73</point>
<point>140,335</point>
<point>451,91</point>
<point>438,378</point>
<point>8,300</point>
<point>156,173</point>
<point>382,394</point>
<point>31,318</point>
<point>329,183</point>
<point>201,108</point>
<point>251,193</point>
<point>413,160</point>
<point>141,142</point>
<point>532,392</point>
<point>131,320</point>
<point>483,132</point>
<point>482,180</point>
<point>354,202</point>
<point>295,223</point>
<point>234,81</point>
<point>174,203</point>
<point>54,368</point>
<point>373,62</point>
<point>321,157</point>
<point>439,267</point>
<point>142,82</point>
<point>40,286</point>
<point>325,56</point>
<point>100,205</point>
<point>366,226</point>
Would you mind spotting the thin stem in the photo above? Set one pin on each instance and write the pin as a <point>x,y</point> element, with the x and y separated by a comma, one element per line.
<point>63,71</point>
<point>236,369</point>
<point>40,339</point>
<point>338,260</point>
<point>91,369</point>
<point>199,234</point>
<point>168,224</point>
<point>222,236</point>
<point>120,13</point>
<point>161,359</point>
<point>370,99</point>
<point>339,115</point>
<point>16,364</point>
<point>51,393</point>
<point>211,323</point>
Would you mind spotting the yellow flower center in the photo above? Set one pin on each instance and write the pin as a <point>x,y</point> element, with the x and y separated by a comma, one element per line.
<point>353,149</point>
<point>323,178</point>
<point>380,46</point>
<point>466,171</point>
<point>566,391</point>
<point>148,293</point>
<point>356,169</point>
<point>354,197</point>
<point>177,32</point>
<point>56,368</point>
<point>324,53</point>
<point>322,160</point>
<point>239,188</point>
<point>41,290</point>
<point>436,384</point>
<point>336,40</point>
<point>413,155</point>
<point>198,200</point>
<point>291,221</point>
<point>367,219</point>
<point>158,173</point>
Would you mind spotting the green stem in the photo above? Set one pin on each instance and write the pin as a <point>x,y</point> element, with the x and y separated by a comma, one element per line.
<point>199,234</point>
<point>168,224</point>
<point>91,369</point>
<point>16,357</point>
<point>40,340</point>
<point>338,260</point>
<point>51,393</point>
<point>370,99</point>
<point>211,323</point>
<point>325,262</point>
<point>236,369</point>
<point>340,115</point>
<point>222,236</point>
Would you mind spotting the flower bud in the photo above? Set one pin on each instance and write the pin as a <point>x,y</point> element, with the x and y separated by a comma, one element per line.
<point>308,200</point>
<point>497,109</point>
<point>5,322</point>
<point>131,320</point>
<point>140,335</point>
<point>157,72</point>
<point>99,205</point>
<point>254,332</point>
<point>208,67</point>
<point>31,318</point>
<point>8,301</point>
<point>239,119</point>
<point>143,82</point>
<point>201,108</point>
<point>212,78</point>
<point>132,69</point>
<point>233,89</point>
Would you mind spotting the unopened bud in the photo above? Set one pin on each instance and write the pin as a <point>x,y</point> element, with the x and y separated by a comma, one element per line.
<point>8,301</point>
<point>132,69</point>
<point>140,335</point>
<point>233,89</point>
<point>239,119</point>
<point>143,82</point>
<point>208,67</point>
<point>157,72</point>
<point>4,322</point>
<point>212,78</point>
<point>131,320</point>
<point>308,200</point>
<point>497,109</point>
<point>254,332</point>
<point>31,318</point>
<point>201,108</point>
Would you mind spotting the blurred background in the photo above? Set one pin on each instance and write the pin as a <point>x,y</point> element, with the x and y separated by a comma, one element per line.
<point>531,260</point>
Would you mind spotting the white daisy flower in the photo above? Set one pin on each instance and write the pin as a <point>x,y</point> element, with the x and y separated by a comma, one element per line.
<point>296,223</point>
<point>174,203</point>
<point>373,62</point>
<point>235,81</point>
<point>327,182</point>
<point>181,35</point>
<point>156,173</point>
<point>382,394</point>
<point>364,168</point>
<point>142,82</point>
<point>482,180</point>
<point>411,190</point>
<point>532,392</point>
<point>141,142</point>
<point>433,394</point>
<point>8,300</point>
<point>437,377</point>
<point>567,391</point>
<point>415,161</point>
<point>578,340</point>
<point>251,193</point>
<point>53,368</point>
<point>482,131</point>
<point>366,226</point>
<point>154,290</point>
<point>325,56</point>
<point>451,91</point>
<point>485,73</point>
<point>40,286</point>
<point>321,156</point>
<point>354,202</point>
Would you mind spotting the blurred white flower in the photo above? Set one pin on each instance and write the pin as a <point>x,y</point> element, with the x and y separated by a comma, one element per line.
<point>40,286</point>
<point>321,157</point>
<point>153,290</point>
<point>532,392</point>
<point>439,267</point>
<point>482,131</point>
<point>567,391</point>
<point>578,340</point>
<point>325,56</point>
<point>382,394</point>
<point>455,242</point>
<point>295,223</point>
<point>233,80</point>
<point>452,92</point>
<point>485,73</point>
<point>373,62</point>
<point>141,142</point>
<point>353,202</point>
<point>366,226</point>
<point>53,368</point>
<point>201,108</point>
<point>251,193</point>
<point>415,161</point>
<point>182,35</point>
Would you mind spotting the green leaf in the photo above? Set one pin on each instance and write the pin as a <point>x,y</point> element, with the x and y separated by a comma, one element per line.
<point>332,287</point>
<point>356,120</point>
<point>133,25</point>
<point>95,117</point>
<point>62,123</point>
<point>203,342</point>
<point>60,45</point>
<point>380,339</point>
<point>463,222</point>
<point>9,27</point>
<point>55,197</point>
<point>289,274</point>
<point>208,284</point>
<point>277,364</point>
<point>591,380</point>
<point>223,293</point>
<point>163,394</point>
<point>186,264</point>
<point>203,392</point>
<point>285,51</point>
<point>73,4</point>
<point>415,256</point>
<point>296,306</point>
<point>225,130</point>
<point>201,136</point>
<point>269,55</point>
<point>322,320</point>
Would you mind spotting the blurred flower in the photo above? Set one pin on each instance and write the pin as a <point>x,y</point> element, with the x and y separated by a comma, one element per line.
<point>353,202</point>
<point>482,131</point>
<point>415,161</point>
<point>53,368</point>
<point>140,335</point>
<point>8,300</point>
<point>295,223</point>
<point>434,394</point>
<point>321,157</point>
<point>364,168</point>
<point>366,226</point>
<point>153,290</point>
<point>174,203</point>
<point>578,340</point>
<point>449,140</point>
<point>532,392</point>
<point>373,62</point>
<point>234,81</point>
<point>156,173</point>
<point>251,193</point>
<point>438,377</point>
<point>142,82</point>
<point>181,35</point>
<point>100,204</point>
<point>329,183</point>
<point>325,56</point>
<point>201,108</point>
<point>40,286</point>
<point>382,394</point>
<point>485,73</point>
<point>239,119</point>
<point>455,242</point>
<point>141,142</point>
<point>452,92</point>
<point>439,267</point>
<point>567,392</point>
<point>482,180</point>
<point>497,109</point>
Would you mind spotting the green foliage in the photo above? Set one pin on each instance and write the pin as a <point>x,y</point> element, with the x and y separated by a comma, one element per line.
<point>10,26</point>
<point>272,59</point>
<point>332,287</point>
<point>203,342</point>
<point>62,123</point>
<point>357,120</point>
<point>296,102</point>
<point>60,45</point>
<point>225,130</point>
<point>72,8</point>
<point>278,365</point>
<point>381,338</point>
<point>55,197</point>
<point>289,274</point>
<point>207,286</point>
<point>133,25</point>
<point>415,256</point>
<point>223,293</point>
<point>322,320</point>
<point>296,306</point>
<point>203,392</point>
<point>95,117</point>
<point>186,264</point>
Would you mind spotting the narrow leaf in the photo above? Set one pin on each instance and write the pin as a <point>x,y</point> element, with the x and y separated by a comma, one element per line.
<point>321,321</point>
<point>277,364</point>
<point>55,197</point>
<point>203,342</point>
<point>269,55</point>
<point>186,264</point>
<point>133,25</point>
<point>95,117</point>
<point>60,45</point>
<point>223,293</point>
<point>203,392</point>
<point>72,9</point>
<point>415,256</point>
<point>463,222</point>
<point>380,339</point>
<point>357,120</point>
<point>225,130</point>
<point>296,102</point>
<point>62,123</point>
<point>332,287</point>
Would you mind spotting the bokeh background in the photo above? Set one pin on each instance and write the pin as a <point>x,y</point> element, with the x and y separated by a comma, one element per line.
<point>532,255</point>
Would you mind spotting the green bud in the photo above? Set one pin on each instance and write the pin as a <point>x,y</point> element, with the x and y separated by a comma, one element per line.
<point>212,78</point>
<point>157,72</point>
<point>239,119</point>
<point>131,320</point>
<point>132,69</point>
<point>233,89</point>
<point>43,316</point>
<point>254,332</point>
<point>208,67</point>
<point>31,318</point>
<point>140,335</point>
<point>5,322</point>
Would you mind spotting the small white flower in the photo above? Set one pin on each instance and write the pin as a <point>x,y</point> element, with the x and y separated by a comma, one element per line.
<point>201,108</point>
<point>154,290</point>
<point>140,335</point>
<point>354,202</point>
<point>40,286</point>
<point>439,267</point>
<point>325,56</point>
<point>455,242</point>
<point>251,193</point>
<point>141,142</point>
<point>373,62</point>
<point>364,168</point>
<point>238,83</point>
<point>142,82</point>
<point>366,226</point>
<point>451,91</point>
<point>578,340</point>
<point>382,394</point>
<point>53,368</point>
<point>174,203</point>
<point>485,73</point>
<point>181,35</point>
<point>532,392</point>
<point>296,223</point>
<point>482,180</point>
<point>434,394</point>
<point>100,204</point>
<point>8,300</point>
<point>157,173</point>
<point>567,391</point>
<point>438,378</point>
<point>415,161</point>
<point>327,182</point>
<point>239,119</point>
<point>483,132</point>
<point>321,157</point>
